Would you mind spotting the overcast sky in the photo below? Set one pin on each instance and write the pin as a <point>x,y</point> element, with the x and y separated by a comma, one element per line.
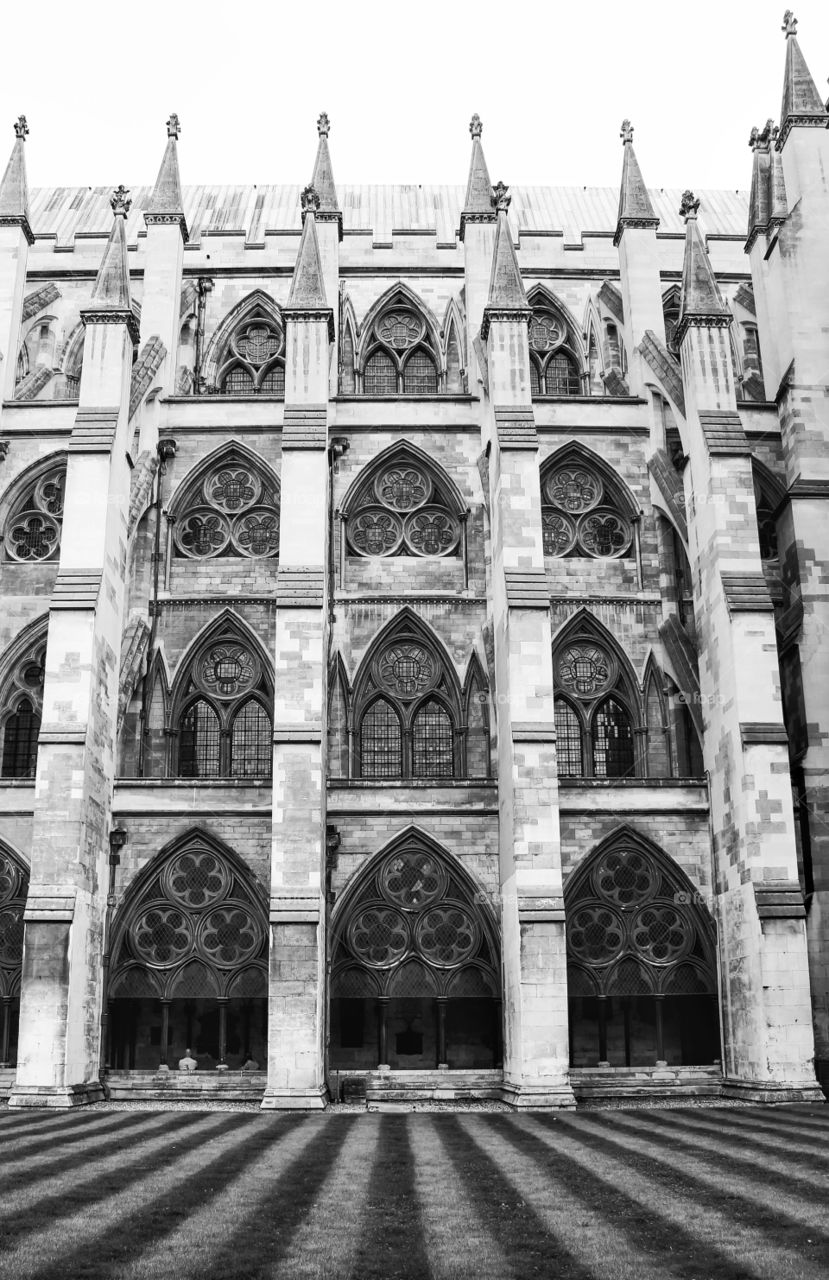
<point>551,82</point>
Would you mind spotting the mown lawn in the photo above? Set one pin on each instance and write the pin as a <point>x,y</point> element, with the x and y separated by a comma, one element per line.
<point>638,1195</point>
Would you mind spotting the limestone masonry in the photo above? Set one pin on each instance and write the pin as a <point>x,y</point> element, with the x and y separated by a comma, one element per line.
<point>412,652</point>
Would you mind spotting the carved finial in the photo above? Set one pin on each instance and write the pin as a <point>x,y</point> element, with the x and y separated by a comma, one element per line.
<point>627,131</point>
<point>310,200</point>
<point>789,23</point>
<point>120,201</point>
<point>173,126</point>
<point>475,126</point>
<point>21,128</point>
<point>323,124</point>
<point>501,197</point>
<point>689,206</point>
<point>754,138</point>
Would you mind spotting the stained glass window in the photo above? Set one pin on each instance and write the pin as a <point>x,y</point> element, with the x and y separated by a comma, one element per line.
<point>380,376</point>
<point>612,741</point>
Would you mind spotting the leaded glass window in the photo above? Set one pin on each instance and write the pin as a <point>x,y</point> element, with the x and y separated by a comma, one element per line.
<point>432,742</point>
<point>250,751</point>
<point>594,724</point>
<point>568,741</point>
<point>380,376</point>
<point>232,509</point>
<point>402,510</point>
<point>401,357</point>
<point>582,513</point>
<point>612,741</point>
<point>253,359</point>
<point>199,753</point>
<point>380,742</point>
<point>420,375</point>
<point>21,714</point>
<point>554,371</point>
<point>34,522</point>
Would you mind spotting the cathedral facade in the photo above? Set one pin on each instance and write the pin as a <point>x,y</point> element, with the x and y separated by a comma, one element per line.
<point>410,654</point>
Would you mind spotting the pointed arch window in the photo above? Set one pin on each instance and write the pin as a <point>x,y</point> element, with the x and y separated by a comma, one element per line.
<point>21,715</point>
<point>670,313</point>
<point>252,359</point>
<point>381,754</point>
<point>231,509</point>
<point>14,888</point>
<point>596,709</point>
<point>554,369</point>
<point>582,512</point>
<point>432,742</point>
<point>403,509</point>
<point>223,719</point>
<point>35,519</point>
<point>400,355</point>
<point>766,523</point>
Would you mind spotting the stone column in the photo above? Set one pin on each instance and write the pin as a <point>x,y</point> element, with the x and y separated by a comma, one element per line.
<point>762,943</point>
<point>60,1019</point>
<point>297,997</point>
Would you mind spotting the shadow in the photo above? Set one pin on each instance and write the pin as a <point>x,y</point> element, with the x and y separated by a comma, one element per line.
<point>391,1238</point>
<point>763,1122</point>
<point>64,1137</point>
<point>755,1149</point>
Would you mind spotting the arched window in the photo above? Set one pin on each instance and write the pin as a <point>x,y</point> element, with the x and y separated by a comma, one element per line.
<point>14,888</point>
<point>670,313</point>
<point>20,713</point>
<point>189,962</point>
<point>246,356</point>
<point>555,370</point>
<point>35,517</point>
<point>584,511</point>
<point>221,709</point>
<point>767,499</point>
<point>597,708</point>
<point>399,354</point>
<point>407,709</point>
<point>414,929</point>
<point>403,507</point>
<point>640,961</point>
<point>229,508</point>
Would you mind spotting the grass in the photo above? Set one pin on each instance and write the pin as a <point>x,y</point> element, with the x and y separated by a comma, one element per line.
<point>640,1195</point>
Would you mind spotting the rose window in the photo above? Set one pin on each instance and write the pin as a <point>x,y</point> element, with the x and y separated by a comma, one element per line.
<point>412,880</point>
<point>34,525</point>
<point>231,512</point>
<point>258,342</point>
<point>595,933</point>
<point>558,533</point>
<point>446,935</point>
<point>162,935</point>
<point>379,936</point>
<point>228,670</point>
<point>399,329</point>
<point>660,933</point>
<point>545,332</point>
<point>229,935</point>
<point>403,488</point>
<point>431,532</point>
<point>391,516</point>
<point>585,670</point>
<point>257,533</point>
<point>626,877</point>
<point>603,533</point>
<point>196,879</point>
<point>376,532</point>
<point>234,489</point>
<point>573,522</point>
<point>574,489</point>
<point>203,534</point>
<point>407,670</point>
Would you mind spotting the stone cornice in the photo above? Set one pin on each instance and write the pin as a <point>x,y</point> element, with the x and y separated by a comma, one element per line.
<point>476,215</point>
<point>637,224</point>
<point>18,220</point>
<point>521,314</point>
<point>712,321</point>
<point>111,315</point>
<point>806,121</point>
<point>330,215</point>
<point>166,220</point>
<point>308,315</point>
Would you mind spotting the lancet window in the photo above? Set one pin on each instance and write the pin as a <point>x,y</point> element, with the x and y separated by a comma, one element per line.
<point>223,717</point>
<point>35,519</point>
<point>554,369</point>
<point>582,512</point>
<point>232,509</point>
<point>253,359</point>
<point>14,887</point>
<point>400,356</point>
<point>595,710</point>
<point>22,709</point>
<point>403,509</point>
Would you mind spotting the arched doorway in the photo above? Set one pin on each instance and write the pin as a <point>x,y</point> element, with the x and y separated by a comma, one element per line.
<point>14,887</point>
<point>415,980</point>
<point>641,970</point>
<point>189,963</point>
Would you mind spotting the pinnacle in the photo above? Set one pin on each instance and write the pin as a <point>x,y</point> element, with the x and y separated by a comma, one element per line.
<point>112,285</point>
<point>14,187</point>
<point>166,199</point>
<point>802,104</point>
<point>635,208</point>
<point>478,205</point>
<point>700,296</point>
<point>322,179</point>
<point>506,288</point>
<point>307,286</point>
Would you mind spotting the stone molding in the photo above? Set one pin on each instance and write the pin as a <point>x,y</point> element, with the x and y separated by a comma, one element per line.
<point>76,589</point>
<point>18,220</point>
<point>305,427</point>
<point>746,593</point>
<point>295,908</point>
<point>634,224</point>
<point>168,220</point>
<point>530,731</point>
<point>810,121</point>
<point>57,908</point>
<point>527,588</point>
<point>300,587</point>
<point>309,315</point>
<point>779,900</point>
<point>809,489</point>
<point>297,733</point>
<point>39,300</point>
<point>757,733</point>
<point>56,735</point>
<point>94,430</point>
<point>515,426</point>
<point>724,433</point>
<point>713,320</point>
<point>522,315</point>
<point>111,315</point>
<point>540,906</point>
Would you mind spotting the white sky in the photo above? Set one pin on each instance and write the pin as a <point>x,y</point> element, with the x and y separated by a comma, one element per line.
<point>551,81</point>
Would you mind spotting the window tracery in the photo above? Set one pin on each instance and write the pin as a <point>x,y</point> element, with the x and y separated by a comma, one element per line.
<point>400,359</point>
<point>233,510</point>
<point>554,371</point>
<point>253,359</point>
<point>403,511</point>
<point>22,707</point>
<point>594,720</point>
<point>35,519</point>
<point>580,513</point>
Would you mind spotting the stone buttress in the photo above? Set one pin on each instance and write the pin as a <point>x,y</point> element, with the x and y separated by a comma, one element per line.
<point>536,1057</point>
<point>297,996</point>
<point>15,239</point>
<point>767,1030</point>
<point>59,1054</point>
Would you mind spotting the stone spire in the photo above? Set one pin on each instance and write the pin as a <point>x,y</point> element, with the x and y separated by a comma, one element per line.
<point>506,288</point>
<point>112,286</point>
<point>307,287</point>
<point>322,179</point>
<point>478,205</point>
<point>14,189</point>
<point>635,208</point>
<point>802,104</point>
<point>166,203</point>
<point>701,300</point>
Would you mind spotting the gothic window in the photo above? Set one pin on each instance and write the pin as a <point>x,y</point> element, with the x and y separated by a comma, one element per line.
<point>231,509</point>
<point>582,513</point>
<point>638,939</point>
<point>14,887</point>
<point>400,359</point>
<point>670,313</point>
<point>766,523</point>
<point>223,721</point>
<point>403,510</point>
<point>21,713</point>
<point>252,361</point>
<point>554,370</point>
<point>33,525</point>
<point>594,720</point>
<point>408,710</point>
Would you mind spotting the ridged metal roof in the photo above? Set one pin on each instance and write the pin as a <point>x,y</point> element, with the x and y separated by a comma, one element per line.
<point>66,212</point>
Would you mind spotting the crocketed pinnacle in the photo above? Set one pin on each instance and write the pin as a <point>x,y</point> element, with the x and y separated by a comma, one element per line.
<point>767,206</point>
<point>14,188</point>
<point>322,179</point>
<point>166,200</point>
<point>506,288</point>
<point>700,297</point>
<point>635,208</point>
<point>478,205</point>
<point>802,104</point>
<point>112,286</point>
<point>307,286</point>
